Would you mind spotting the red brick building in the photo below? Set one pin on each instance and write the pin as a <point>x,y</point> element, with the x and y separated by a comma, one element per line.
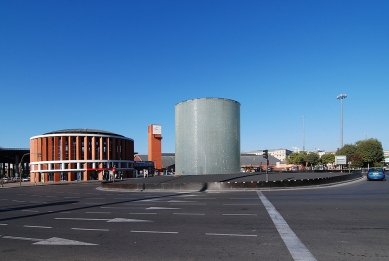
<point>80,154</point>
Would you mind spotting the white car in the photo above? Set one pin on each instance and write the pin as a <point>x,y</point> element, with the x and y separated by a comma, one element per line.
<point>26,179</point>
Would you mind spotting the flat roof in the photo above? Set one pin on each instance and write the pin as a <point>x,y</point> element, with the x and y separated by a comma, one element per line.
<point>85,131</point>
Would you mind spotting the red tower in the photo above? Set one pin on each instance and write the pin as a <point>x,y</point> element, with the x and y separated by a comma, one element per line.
<point>155,145</point>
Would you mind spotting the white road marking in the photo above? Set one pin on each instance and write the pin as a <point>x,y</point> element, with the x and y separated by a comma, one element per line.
<point>190,214</point>
<point>62,212</point>
<point>96,198</point>
<point>71,197</point>
<point>55,241</point>
<point>244,198</point>
<point>162,208</point>
<point>128,220</point>
<point>22,238</point>
<point>97,212</point>
<point>296,248</point>
<point>232,235</point>
<point>139,204</point>
<point>28,210</point>
<point>153,232</point>
<point>180,201</point>
<point>107,219</point>
<point>239,215</point>
<point>115,207</point>
<point>36,226</point>
<point>188,204</point>
<point>51,241</point>
<point>1,224</point>
<point>90,229</point>
<point>143,213</point>
<point>94,203</point>
<point>241,204</point>
<point>86,219</point>
<point>20,201</point>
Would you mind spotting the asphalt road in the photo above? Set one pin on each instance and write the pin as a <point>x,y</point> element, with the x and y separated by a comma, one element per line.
<point>80,222</point>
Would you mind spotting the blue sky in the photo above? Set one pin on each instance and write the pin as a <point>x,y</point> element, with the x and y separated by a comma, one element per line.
<point>120,66</point>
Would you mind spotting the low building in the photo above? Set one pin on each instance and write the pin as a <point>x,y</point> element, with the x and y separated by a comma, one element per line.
<point>80,154</point>
<point>279,154</point>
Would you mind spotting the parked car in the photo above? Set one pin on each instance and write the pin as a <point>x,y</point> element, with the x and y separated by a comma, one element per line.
<point>376,173</point>
<point>26,179</point>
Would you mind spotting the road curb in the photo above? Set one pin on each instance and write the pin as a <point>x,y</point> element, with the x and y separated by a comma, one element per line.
<point>255,185</point>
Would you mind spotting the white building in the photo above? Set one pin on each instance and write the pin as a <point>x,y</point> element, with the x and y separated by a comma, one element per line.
<point>279,154</point>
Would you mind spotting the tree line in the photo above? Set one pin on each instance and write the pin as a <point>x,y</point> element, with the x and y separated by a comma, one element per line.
<point>362,153</point>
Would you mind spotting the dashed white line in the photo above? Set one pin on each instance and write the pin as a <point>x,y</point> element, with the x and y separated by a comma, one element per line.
<point>296,248</point>
<point>90,229</point>
<point>36,226</point>
<point>241,204</point>
<point>148,213</point>
<point>239,215</point>
<point>154,232</point>
<point>98,212</point>
<point>245,198</point>
<point>162,208</point>
<point>28,210</point>
<point>190,214</point>
<point>87,219</point>
<point>2,224</point>
<point>231,235</point>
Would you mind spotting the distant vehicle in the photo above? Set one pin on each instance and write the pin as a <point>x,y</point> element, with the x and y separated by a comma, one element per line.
<point>376,173</point>
<point>26,179</point>
<point>269,168</point>
<point>5,180</point>
<point>294,168</point>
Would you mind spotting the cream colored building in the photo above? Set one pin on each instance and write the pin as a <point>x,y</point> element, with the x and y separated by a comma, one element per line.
<point>279,154</point>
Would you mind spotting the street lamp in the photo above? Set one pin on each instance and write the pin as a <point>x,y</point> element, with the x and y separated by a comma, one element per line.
<point>303,135</point>
<point>21,169</point>
<point>21,165</point>
<point>341,97</point>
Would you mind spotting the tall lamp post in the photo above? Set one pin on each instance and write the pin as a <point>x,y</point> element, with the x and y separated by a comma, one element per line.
<point>341,97</point>
<point>303,135</point>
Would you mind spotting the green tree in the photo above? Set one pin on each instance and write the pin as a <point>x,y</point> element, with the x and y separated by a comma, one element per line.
<point>327,159</point>
<point>297,158</point>
<point>312,158</point>
<point>347,150</point>
<point>371,151</point>
<point>356,161</point>
<point>291,159</point>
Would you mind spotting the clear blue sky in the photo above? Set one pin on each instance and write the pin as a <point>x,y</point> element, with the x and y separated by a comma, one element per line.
<point>120,66</point>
